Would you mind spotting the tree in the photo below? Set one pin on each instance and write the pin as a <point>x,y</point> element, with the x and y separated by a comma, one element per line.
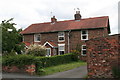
<point>11,39</point>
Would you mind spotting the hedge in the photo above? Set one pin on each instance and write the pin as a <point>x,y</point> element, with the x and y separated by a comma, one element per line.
<point>56,60</point>
<point>40,62</point>
<point>18,60</point>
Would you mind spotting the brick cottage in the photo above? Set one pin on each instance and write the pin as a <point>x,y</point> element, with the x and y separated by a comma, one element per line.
<point>62,37</point>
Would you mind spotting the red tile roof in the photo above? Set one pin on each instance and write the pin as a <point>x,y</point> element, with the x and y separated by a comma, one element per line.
<point>51,43</point>
<point>97,22</point>
<point>27,44</point>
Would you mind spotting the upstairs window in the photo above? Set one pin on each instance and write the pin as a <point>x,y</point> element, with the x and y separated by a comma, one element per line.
<point>37,37</point>
<point>61,36</point>
<point>83,50</point>
<point>84,35</point>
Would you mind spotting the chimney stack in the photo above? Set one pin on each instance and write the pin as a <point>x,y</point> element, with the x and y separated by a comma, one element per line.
<point>53,19</point>
<point>77,15</point>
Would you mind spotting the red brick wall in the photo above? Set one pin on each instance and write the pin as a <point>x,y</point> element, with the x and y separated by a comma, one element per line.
<point>75,38</point>
<point>30,69</point>
<point>29,38</point>
<point>93,33</point>
<point>101,52</point>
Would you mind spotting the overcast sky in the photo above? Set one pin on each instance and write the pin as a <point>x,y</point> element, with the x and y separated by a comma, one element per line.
<point>27,12</point>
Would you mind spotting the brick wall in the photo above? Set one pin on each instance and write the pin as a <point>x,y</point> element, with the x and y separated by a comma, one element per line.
<point>29,38</point>
<point>30,69</point>
<point>101,53</point>
<point>75,38</point>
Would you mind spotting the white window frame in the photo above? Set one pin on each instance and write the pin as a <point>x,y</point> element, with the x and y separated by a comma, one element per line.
<point>50,52</point>
<point>83,50</point>
<point>61,50</point>
<point>61,36</point>
<point>84,35</point>
<point>35,37</point>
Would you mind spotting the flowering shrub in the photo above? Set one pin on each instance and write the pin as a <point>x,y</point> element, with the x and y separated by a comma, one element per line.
<point>36,50</point>
<point>10,68</point>
<point>75,51</point>
<point>30,69</point>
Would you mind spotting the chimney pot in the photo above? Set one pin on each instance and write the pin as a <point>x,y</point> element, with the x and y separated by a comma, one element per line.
<point>53,19</point>
<point>77,15</point>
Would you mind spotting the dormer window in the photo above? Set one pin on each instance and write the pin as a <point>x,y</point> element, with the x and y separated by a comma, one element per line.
<point>84,35</point>
<point>61,36</point>
<point>37,37</point>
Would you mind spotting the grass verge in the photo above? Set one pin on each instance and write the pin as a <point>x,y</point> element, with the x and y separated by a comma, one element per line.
<point>61,68</point>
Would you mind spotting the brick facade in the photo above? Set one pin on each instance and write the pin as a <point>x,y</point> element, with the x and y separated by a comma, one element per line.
<point>101,53</point>
<point>29,38</point>
<point>74,39</point>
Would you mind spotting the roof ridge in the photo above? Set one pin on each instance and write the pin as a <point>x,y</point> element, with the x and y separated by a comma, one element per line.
<point>99,22</point>
<point>69,20</point>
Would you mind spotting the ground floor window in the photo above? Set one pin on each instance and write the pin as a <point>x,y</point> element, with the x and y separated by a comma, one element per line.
<point>61,52</point>
<point>61,49</point>
<point>83,50</point>
<point>48,52</point>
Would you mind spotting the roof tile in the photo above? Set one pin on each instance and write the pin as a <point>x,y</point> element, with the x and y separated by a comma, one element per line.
<point>97,22</point>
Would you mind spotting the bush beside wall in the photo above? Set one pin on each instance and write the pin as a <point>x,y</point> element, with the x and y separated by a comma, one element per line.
<point>40,62</point>
<point>18,60</point>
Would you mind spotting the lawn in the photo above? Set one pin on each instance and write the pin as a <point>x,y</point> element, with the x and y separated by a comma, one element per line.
<point>63,67</point>
<point>0,59</point>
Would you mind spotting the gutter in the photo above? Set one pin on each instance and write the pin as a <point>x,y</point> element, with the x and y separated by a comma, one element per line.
<point>69,41</point>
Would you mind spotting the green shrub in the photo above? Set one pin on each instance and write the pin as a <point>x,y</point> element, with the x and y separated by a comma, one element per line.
<point>18,60</point>
<point>42,62</point>
<point>116,69</point>
<point>41,71</point>
<point>12,53</point>
<point>36,50</point>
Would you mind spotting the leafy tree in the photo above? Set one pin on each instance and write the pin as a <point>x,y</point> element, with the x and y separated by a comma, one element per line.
<point>11,39</point>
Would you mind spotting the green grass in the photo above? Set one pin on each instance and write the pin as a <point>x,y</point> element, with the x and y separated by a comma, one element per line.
<point>86,76</point>
<point>0,59</point>
<point>63,67</point>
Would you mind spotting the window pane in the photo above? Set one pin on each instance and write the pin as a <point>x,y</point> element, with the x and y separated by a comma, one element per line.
<point>37,37</point>
<point>84,32</point>
<point>61,48</point>
<point>61,34</point>
<point>48,52</point>
<point>61,38</point>
<point>61,52</point>
<point>84,37</point>
<point>84,52</point>
<point>84,47</point>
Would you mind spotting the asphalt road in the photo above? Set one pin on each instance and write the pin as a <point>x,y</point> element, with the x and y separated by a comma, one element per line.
<point>79,72</point>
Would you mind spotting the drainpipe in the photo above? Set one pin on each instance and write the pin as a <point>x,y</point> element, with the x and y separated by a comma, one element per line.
<point>69,41</point>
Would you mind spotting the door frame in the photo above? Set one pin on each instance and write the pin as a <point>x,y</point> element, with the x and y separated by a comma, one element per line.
<point>50,52</point>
